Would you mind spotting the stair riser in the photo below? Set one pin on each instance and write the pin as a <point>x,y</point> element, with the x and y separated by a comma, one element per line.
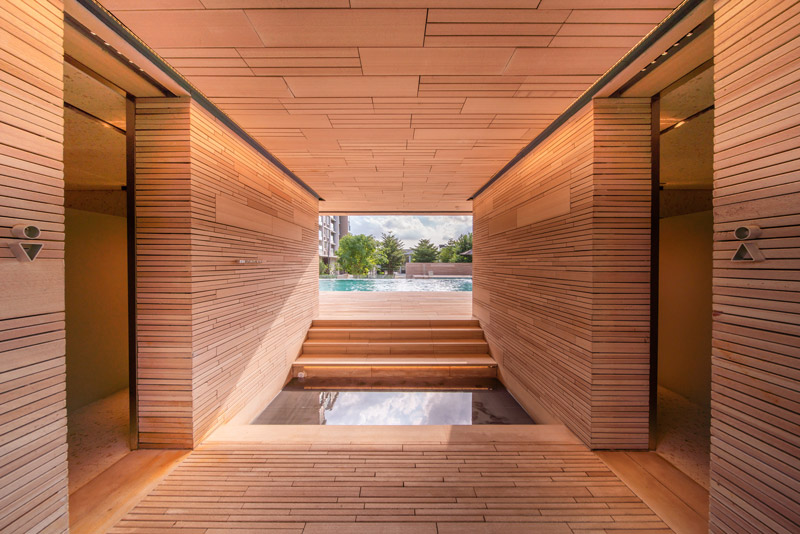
<point>436,323</point>
<point>399,348</point>
<point>410,371</point>
<point>393,335</point>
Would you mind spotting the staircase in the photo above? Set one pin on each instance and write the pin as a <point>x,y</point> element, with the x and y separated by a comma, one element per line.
<point>395,349</point>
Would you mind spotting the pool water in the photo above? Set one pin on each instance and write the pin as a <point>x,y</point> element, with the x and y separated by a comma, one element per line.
<point>397,284</point>
<point>296,405</point>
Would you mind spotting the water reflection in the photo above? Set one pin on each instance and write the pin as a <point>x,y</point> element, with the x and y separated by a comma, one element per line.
<point>396,408</point>
<point>330,406</point>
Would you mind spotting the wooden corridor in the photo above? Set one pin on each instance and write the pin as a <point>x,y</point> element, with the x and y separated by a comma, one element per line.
<point>391,480</point>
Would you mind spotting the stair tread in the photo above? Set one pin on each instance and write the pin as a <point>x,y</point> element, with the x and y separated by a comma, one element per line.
<point>391,341</point>
<point>398,360</point>
<point>468,328</point>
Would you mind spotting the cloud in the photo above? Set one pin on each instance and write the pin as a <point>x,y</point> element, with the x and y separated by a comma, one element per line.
<point>400,408</point>
<point>410,229</point>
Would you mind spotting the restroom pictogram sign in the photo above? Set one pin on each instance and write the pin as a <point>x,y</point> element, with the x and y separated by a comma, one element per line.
<point>747,250</point>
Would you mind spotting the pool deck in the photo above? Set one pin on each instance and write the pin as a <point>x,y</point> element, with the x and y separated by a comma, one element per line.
<point>395,305</point>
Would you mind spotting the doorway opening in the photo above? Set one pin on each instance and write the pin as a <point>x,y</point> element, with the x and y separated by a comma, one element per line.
<point>97,272</point>
<point>683,138</point>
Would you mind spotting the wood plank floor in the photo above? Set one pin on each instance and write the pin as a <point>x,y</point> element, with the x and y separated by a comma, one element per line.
<point>676,498</point>
<point>437,480</point>
<point>395,305</point>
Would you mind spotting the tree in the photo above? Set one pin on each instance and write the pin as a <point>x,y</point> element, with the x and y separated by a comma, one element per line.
<point>447,254</point>
<point>357,253</point>
<point>425,252</point>
<point>390,253</point>
<point>323,268</point>
<point>463,244</point>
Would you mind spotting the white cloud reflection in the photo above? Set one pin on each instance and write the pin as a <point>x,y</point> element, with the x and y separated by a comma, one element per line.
<point>400,408</point>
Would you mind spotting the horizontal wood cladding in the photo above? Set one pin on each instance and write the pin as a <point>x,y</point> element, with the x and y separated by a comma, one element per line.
<point>621,273</point>
<point>755,428</point>
<point>227,262</point>
<point>561,290</point>
<point>33,419</point>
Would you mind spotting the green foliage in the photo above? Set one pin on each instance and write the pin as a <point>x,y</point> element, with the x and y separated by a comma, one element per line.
<point>425,252</point>
<point>390,253</point>
<point>323,268</point>
<point>448,253</point>
<point>451,253</point>
<point>463,244</point>
<point>357,253</point>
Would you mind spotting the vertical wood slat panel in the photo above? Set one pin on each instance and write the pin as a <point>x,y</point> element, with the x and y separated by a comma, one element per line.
<point>621,273</point>
<point>215,334</point>
<point>564,301</point>
<point>163,272</point>
<point>755,430</point>
<point>33,450</point>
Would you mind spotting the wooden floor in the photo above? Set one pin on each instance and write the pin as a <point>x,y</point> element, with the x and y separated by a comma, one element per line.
<point>674,496</point>
<point>103,501</point>
<point>395,305</point>
<point>392,480</point>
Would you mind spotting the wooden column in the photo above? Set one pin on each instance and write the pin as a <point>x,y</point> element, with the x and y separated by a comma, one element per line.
<point>227,264</point>
<point>164,277</point>
<point>621,274</point>
<point>561,274</point>
<point>33,419</point>
<point>755,428</point>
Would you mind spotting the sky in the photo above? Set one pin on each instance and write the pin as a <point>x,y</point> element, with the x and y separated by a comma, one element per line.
<point>410,229</point>
<point>401,408</point>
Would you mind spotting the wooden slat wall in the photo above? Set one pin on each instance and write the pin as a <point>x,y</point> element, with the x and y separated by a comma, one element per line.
<point>33,431</point>
<point>163,272</point>
<point>621,274</point>
<point>215,334</point>
<point>755,434</point>
<point>563,299</point>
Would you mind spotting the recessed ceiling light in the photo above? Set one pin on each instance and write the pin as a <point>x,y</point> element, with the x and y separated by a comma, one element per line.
<point>679,124</point>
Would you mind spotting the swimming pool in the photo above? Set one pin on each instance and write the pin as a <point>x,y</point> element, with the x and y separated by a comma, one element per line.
<point>486,402</point>
<point>398,284</point>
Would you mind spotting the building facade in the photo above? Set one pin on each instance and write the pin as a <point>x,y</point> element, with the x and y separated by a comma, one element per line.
<point>331,229</point>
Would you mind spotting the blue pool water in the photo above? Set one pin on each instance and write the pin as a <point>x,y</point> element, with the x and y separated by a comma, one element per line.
<point>398,284</point>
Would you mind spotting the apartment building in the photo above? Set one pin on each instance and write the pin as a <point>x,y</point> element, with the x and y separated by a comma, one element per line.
<point>331,229</point>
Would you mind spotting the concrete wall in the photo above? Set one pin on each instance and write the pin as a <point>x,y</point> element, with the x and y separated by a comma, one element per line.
<point>217,337</point>
<point>755,428</point>
<point>33,417</point>
<point>561,282</point>
<point>438,269</point>
<point>97,306</point>
<point>684,306</point>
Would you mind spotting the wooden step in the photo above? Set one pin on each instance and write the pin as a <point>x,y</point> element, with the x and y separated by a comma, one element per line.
<point>382,333</point>
<point>422,359</point>
<point>445,346</point>
<point>394,323</point>
<point>418,367</point>
<point>395,348</point>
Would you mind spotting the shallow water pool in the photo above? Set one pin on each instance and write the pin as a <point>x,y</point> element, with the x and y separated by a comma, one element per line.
<point>397,284</point>
<point>490,404</point>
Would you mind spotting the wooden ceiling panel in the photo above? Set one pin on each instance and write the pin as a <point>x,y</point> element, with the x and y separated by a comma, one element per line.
<point>594,61</point>
<point>454,61</point>
<point>303,86</point>
<point>392,105</point>
<point>339,27</point>
<point>213,86</point>
<point>191,28</point>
